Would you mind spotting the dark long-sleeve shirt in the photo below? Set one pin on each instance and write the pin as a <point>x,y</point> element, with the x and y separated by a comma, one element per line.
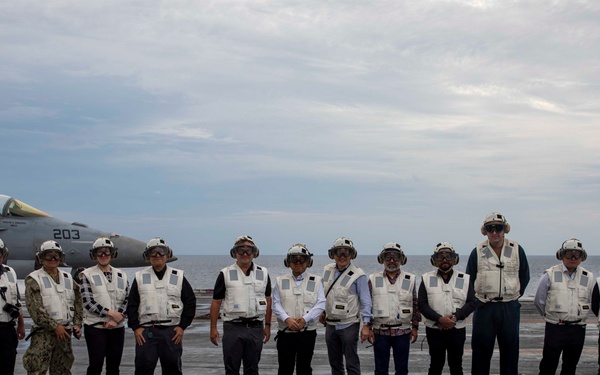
<point>188,298</point>
<point>524,275</point>
<point>462,313</point>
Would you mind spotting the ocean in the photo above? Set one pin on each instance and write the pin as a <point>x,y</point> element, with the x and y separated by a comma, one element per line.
<point>202,270</point>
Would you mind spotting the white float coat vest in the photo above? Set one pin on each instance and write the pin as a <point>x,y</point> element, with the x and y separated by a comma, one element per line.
<point>8,280</point>
<point>341,306</point>
<point>446,298</point>
<point>245,295</point>
<point>160,300</point>
<point>298,300</point>
<point>108,294</point>
<point>392,303</point>
<point>58,299</point>
<point>568,300</point>
<point>498,277</point>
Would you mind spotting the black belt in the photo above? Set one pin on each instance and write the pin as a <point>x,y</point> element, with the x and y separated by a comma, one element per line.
<point>568,322</point>
<point>384,326</point>
<point>246,323</point>
<point>157,324</point>
<point>7,324</point>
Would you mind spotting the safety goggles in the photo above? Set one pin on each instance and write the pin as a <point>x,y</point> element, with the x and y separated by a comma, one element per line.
<point>245,250</point>
<point>342,252</point>
<point>389,257</point>
<point>572,254</point>
<point>444,256</point>
<point>53,256</point>
<point>103,252</point>
<point>157,251</point>
<point>297,259</point>
<point>494,228</point>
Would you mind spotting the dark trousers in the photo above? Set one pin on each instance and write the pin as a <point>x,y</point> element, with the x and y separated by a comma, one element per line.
<point>496,320</point>
<point>343,343</point>
<point>451,341</point>
<point>567,340</point>
<point>295,350</point>
<point>159,344</point>
<point>104,343</point>
<point>381,350</point>
<point>242,343</point>
<point>8,349</point>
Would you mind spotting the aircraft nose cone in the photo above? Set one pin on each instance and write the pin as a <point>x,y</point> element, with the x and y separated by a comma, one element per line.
<point>131,251</point>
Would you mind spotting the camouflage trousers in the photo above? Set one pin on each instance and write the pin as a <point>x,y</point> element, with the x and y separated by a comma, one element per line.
<point>47,352</point>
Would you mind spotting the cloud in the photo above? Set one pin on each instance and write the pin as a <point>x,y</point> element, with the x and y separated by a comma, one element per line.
<point>308,115</point>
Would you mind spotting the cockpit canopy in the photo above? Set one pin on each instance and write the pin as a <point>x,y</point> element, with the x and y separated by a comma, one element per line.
<point>12,207</point>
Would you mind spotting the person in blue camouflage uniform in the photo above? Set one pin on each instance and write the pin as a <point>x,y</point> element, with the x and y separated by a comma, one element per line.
<point>54,319</point>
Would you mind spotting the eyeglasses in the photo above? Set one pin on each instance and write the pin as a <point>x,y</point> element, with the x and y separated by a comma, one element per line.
<point>390,257</point>
<point>494,227</point>
<point>156,252</point>
<point>444,256</point>
<point>53,256</point>
<point>103,253</point>
<point>341,253</point>
<point>245,250</point>
<point>572,254</point>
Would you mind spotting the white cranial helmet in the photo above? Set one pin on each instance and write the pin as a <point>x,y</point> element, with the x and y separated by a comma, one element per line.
<point>298,249</point>
<point>3,249</point>
<point>103,242</point>
<point>50,246</point>
<point>158,242</point>
<point>571,244</point>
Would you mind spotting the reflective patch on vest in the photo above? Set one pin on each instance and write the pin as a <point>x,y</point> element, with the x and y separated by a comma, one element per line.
<point>487,252</point>
<point>46,282</point>
<point>285,284</point>
<point>68,284</point>
<point>584,280</point>
<point>120,282</point>
<point>262,303</point>
<point>345,280</point>
<point>326,276</point>
<point>340,307</point>
<point>96,280</point>
<point>260,275</point>
<point>10,277</point>
<point>460,283</point>
<point>558,277</point>
<point>146,279</point>
<point>233,275</point>
<point>405,311</point>
<point>433,282</point>
<point>310,286</point>
<point>508,251</point>
<point>379,282</point>
<point>174,279</point>
<point>406,284</point>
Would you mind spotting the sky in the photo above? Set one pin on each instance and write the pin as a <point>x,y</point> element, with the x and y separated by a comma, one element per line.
<point>304,121</point>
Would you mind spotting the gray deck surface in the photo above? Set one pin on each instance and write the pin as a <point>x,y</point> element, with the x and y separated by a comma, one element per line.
<point>201,357</point>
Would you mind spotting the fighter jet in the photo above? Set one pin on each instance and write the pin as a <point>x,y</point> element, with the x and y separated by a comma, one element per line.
<point>23,228</point>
